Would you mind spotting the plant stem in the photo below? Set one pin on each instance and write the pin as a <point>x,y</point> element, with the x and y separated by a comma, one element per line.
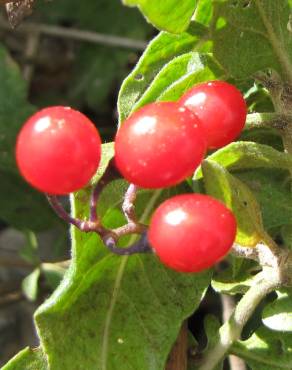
<point>273,120</point>
<point>82,225</point>
<point>77,34</point>
<point>141,246</point>
<point>228,306</point>
<point>128,204</point>
<point>231,330</point>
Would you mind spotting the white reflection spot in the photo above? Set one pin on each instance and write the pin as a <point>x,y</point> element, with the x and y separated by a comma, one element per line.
<point>176,217</point>
<point>42,124</point>
<point>145,125</point>
<point>197,99</point>
<point>120,341</point>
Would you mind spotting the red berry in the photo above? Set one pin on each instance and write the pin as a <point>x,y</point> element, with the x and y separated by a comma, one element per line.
<point>221,109</point>
<point>58,150</point>
<point>159,145</point>
<point>191,232</point>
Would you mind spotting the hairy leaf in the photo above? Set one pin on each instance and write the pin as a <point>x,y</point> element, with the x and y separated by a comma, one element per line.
<point>167,15</point>
<point>159,53</point>
<point>238,197</point>
<point>278,314</point>
<point>266,350</point>
<point>240,27</point>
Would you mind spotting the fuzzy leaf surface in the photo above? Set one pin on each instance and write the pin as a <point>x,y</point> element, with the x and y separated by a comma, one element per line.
<point>240,27</point>
<point>167,15</point>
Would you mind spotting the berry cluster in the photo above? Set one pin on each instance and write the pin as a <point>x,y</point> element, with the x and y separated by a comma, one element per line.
<point>58,151</point>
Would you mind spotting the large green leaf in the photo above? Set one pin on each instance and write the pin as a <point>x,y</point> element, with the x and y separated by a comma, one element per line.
<point>242,27</point>
<point>167,15</point>
<point>160,51</point>
<point>105,300</point>
<point>266,350</point>
<point>239,198</point>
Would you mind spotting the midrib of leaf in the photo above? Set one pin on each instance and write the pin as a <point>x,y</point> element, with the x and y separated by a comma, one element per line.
<point>275,43</point>
<point>260,359</point>
<point>117,285</point>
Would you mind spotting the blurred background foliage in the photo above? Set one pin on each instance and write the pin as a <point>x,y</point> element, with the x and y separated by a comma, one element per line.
<point>37,70</point>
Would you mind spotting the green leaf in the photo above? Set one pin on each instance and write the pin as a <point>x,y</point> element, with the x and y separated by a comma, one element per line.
<point>14,108</point>
<point>237,196</point>
<point>176,77</point>
<point>286,233</point>
<point>104,300</point>
<point>159,52</point>
<point>244,155</point>
<point>107,155</point>
<point>240,27</point>
<point>27,208</point>
<point>28,359</point>
<point>167,15</point>
<point>30,249</point>
<point>267,185</point>
<point>227,283</point>
<point>278,314</point>
<point>266,350</point>
<point>212,326</point>
<point>20,210</point>
<point>53,274</point>
<point>30,285</point>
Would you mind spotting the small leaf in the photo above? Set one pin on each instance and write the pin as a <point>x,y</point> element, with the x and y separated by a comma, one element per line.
<point>243,155</point>
<point>237,196</point>
<point>159,52</point>
<point>176,77</point>
<point>266,350</point>
<point>278,314</point>
<point>266,185</point>
<point>30,285</point>
<point>30,249</point>
<point>107,153</point>
<point>168,15</point>
<point>28,359</point>
<point>53,274</point>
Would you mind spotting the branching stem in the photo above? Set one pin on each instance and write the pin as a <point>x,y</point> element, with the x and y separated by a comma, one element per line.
<point>231,330</point>
<point>273,120</point>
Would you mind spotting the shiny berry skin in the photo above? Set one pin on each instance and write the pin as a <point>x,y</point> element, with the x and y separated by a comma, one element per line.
<point>58,150</point>
<point>191,232</point>
<point>221,108</point>
<point>159,145</point>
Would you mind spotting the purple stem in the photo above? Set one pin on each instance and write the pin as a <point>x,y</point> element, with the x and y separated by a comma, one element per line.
<point>141,246</point>
<point>128,204</point>
<point>59,209</point>
<point>111,173</point>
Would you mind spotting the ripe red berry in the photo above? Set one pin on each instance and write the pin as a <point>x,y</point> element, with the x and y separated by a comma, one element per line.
<point>159,145</point>
<point>221,109</point>
<point>58,150</point>
<point>191,232</point>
